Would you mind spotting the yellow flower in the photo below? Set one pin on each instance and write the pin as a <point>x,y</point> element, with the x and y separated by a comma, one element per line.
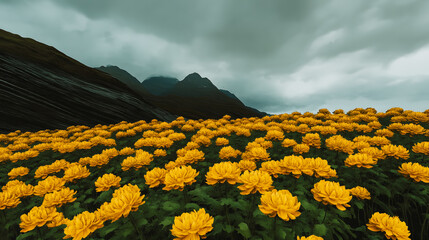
<point>376,154</point>
<point>194,155</point>
<point>107,181</point>
<point>421,147</point>
<point>272,167</point>
<point>38,216</point>
<point>42,172</point>
<point>8,199</point>
<point>127,151</point>
<point>280,203</point>
<point>391,226</point>
<point>131,162</point>
<point>332,193</point>
<point>395,151</point>
<point>228,152</point>
<point>75,171</point>
<point>414,171</point>
<point>155,177</point>
<point>18,171</point>
<point>360,192</point>
<point>301,148</point>
<point>289,143</point>
<point>163,142</point>
<point>247,165</point>
<point>50,184</point>
<point>58,220</point>
<point>59,165</point>
<point>254,181</point>
<point>412,129</point>
<point>82,225</point>
<point>125,200</point>
<point>256,153</point>
<point>274,135</point>
<point>220,141</point>
<point>360,160</point>
<point>99,160</point>
<point>296,165</point>
<point>221,172</point>
<point>311,237</point>
<point>312,140</point>
<point>22,190</point>
<point>379,141</point>
<point>178,177</point>
<point>160,153</point>
<point>384,133</point>
<point>59,197</point>
<point>192,225</point>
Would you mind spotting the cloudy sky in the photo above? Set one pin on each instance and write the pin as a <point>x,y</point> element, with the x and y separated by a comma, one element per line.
<point>276,56</point>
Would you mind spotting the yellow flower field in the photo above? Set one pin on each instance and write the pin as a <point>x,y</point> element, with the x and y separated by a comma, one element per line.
<point>355,175</point>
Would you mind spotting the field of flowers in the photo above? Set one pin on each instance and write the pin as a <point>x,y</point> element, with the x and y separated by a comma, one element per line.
<point>357,175</point>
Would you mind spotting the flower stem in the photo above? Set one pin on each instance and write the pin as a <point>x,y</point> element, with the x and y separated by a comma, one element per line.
<point>133,221</point>
<point>39,234</point>
<point>274,227</point>
<point>326,209</point>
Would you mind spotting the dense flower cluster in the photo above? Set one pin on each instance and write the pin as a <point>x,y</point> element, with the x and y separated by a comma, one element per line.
<point>392,227</point>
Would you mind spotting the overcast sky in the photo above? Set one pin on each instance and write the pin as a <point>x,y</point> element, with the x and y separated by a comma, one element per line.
<point>276,56</point>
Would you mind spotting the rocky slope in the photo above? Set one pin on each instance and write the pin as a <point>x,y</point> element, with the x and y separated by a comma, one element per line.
<point>41,88</point>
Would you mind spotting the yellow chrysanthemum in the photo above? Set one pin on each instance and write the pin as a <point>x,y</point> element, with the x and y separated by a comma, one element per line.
<point>421,147</point>
<point>178,177</point>
<point>221,172</point>
<point>312,140</point>
<point>38,216</point>
<point>360,160</point>
<point>155,177</point>
<point>18,171</point>
<point>301,148</point>
<point>228,152</point>
<point>414,171</point>
<point>332,193</point>
<point>8,199</point>
<point>254,181</point>
<point>107,181</point>
<point>311,237</point>
<point>50,184</point>
<point>82,225</point>
<point>360,192</point>
<point>395,151</point>
<point>280,203</point>
<point>192,225</point>
<point>393,227</point>
<point>59,197</point>
<point>289,142</point>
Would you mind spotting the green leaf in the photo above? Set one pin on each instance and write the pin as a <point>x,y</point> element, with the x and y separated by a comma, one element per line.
<point>26,235</point>
<point>105,196</point>
<point>359,204</point>
<point>320,230</point>
<point>128,230</point>
<point>308,206</point>
<point>418,199</point>
<point>240,204</point>
<point>244,230</point>
<point>226,201</point>
<point>228,228</point>
<point>192,206</point>
<point>170,206</point>
<point>108,229</point>
<point>263,221</point>
<point>168,221</point>
<point>381,188</point>
<point>89,200</point>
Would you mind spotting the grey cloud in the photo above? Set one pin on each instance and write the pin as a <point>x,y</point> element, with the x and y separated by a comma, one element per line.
<point>281,56</point>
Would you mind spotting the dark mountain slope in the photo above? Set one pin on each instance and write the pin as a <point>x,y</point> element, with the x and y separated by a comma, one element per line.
<point>126,78</point>
<point>159,85</point>
<point>41,88</point>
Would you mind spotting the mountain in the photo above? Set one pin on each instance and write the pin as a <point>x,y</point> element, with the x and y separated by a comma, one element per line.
<point>228,93</point>
<point>42,88</point>
<point>126,78</point>
<point>159,85</point>
<point>197,98</point>
<point>194,98</point>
